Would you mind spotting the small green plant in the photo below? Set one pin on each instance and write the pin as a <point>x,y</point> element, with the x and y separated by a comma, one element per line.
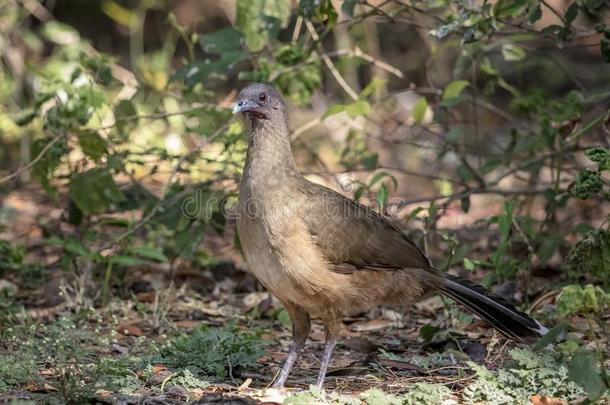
<point>593,303</point>
<point>17,369</point>
<point>218,352</point>
<point>119,374</point>
<point>186,379</point>
<point>423,393</point>
<point>531,373</point>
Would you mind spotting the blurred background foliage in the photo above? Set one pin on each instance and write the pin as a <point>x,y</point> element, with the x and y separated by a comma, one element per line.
<point>481,127</point>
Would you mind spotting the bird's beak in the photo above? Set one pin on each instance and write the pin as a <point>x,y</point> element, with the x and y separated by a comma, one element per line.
<point>244,106</point>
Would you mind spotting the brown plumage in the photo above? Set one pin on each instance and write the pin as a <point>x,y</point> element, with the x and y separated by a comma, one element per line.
<point>324,255</point>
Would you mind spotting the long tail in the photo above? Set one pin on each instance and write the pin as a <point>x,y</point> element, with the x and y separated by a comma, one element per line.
<point>513,323</point>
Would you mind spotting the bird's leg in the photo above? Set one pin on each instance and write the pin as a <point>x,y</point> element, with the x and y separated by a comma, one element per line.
<point>300,331</point>
<point>332,329</point>
<point>329,345</point>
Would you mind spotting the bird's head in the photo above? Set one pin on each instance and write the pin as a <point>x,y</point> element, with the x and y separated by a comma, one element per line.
<point>260,102</point>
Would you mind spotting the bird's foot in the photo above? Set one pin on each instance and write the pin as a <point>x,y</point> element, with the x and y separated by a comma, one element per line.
<point>277,385</point>
<point>273,394</point>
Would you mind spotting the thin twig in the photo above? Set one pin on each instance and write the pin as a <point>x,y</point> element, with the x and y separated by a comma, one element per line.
<point>378,9</point>
<point>401,203</point>
<point>358,53</point>
<point>329,63</point>
<point>297,30</point>
<point>297,132</point>
<point>34,161</point>
<point>484,104</point>
<point>354,53</point>
<point>557,13</point>
<point>166,188</point>
<point>157,116</point>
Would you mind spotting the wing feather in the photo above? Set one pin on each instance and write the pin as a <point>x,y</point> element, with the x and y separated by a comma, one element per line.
<point>354,237</point>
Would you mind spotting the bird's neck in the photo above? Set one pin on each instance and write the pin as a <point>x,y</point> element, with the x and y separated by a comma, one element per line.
<point>269,159</point>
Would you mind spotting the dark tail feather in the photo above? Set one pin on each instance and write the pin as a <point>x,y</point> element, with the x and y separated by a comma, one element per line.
<point>513,323</point>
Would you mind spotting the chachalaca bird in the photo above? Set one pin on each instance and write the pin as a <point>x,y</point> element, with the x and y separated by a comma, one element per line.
<point>322,254</point>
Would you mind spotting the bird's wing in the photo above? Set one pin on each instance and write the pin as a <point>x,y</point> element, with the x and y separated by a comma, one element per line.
<point>352,236</point>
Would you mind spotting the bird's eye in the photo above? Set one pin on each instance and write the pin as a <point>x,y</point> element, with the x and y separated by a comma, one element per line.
<point>262,97</point>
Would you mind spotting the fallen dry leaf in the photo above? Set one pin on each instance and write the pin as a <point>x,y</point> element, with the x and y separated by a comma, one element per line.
<point>360,344</point>
<point>187,324</point>
<point>374,324</point>
<point>103,393</point>
<point>543,400</point>
<point>156,368</point>
<point>148,296</point>
<point>245,384</point>
<point>49,387</point>
<point>130,330</point>
<point>158,378</point>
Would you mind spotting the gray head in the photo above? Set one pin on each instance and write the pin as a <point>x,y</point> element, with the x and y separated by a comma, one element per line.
<point>259,103</point>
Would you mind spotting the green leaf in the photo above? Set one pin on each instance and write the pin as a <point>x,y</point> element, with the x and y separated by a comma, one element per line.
<point>535,14</point>
<point>202,70</point>
<point>92,145</point>
<point>512,53</point>
<point>372,87</point>
<point>334,109</point>
<point>76,248</point>
<point>95,191</point>
<point>509,8</point>
<point>358,193</point>
<point>555,334</point>
<point>604,47</point>
<point>381,175</point>
<point>454,89</point>
<point>591,255</point>
<point>227,43</point>
<point>125,109</point>
<point>127,261</point>
<point>360,107</point>
<point>260,20</point>
<point>320,10</point>
<point>370,161</point>
<point>124,115</point>
<point>571,13</point>
<point>224,40</point>
<point>414,213</point>
<point>427,332</point>
<point>419,110</point>
<point>576,299</point>
<point>583,370</point>
<point>148,253</point>
<point>60,33</point>
<point>599,155</point>
<point>468,264</point>
<point>24,117</point>
<point>588,184</point>
<point>382,197</point>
